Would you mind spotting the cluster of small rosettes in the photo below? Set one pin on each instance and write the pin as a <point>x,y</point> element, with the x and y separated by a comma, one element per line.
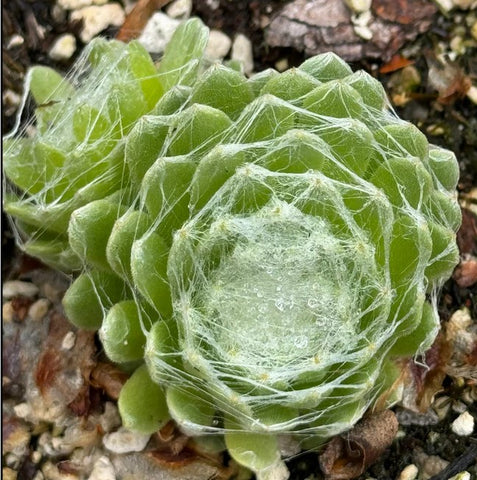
<point>268,246</point>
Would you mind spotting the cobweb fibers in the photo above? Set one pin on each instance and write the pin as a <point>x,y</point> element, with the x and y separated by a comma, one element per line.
<point>264,249</point>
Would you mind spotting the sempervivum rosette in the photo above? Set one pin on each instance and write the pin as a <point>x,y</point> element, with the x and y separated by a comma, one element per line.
<point>264,250</point>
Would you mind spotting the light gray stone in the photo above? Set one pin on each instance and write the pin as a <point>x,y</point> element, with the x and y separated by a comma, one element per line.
<point>242,52</point>
<point>96,18</point>
<point>125,441</point>
<point>13,288</point>
<point>157,32</point>
<point>463,425</point>
<point>409,473</point>
<point>103,470</point>
<point>76,4</point>
<point>180,9</point>
<point>39,309</point>
<point>63,47</point>
<point>218,45</point>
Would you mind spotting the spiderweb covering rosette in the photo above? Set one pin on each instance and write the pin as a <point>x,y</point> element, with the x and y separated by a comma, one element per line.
<point>261,250</point>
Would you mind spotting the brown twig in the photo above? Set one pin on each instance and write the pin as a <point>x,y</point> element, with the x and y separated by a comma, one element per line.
<point>459,464</point>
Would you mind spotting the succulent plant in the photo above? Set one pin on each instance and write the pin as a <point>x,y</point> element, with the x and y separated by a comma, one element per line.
<point>263,251</point>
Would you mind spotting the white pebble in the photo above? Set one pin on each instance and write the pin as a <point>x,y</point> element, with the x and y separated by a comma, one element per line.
<point>22,410</point>
<point>213,4</point>
<point>75,4</point>
<point>180,9</point>
<point>12,288</point>
<point>36,457</point>
<point>218,45</point>
<point>9,474</point>
<point>409,473</point>
<point>282,65</point>
<point>472,92</point>
<point>63,47</point>
<point>461,476</point>
<point>68,341</point>
<point>103,470</point>
<point>363,32</point>
<point>463,425</point>
<point>15,41</point>
<point>39,309</point>
<point>358,5</point>
<point>96,18</point>
<point>8,312</point>
<point>157,32</point>
<point>242,52</point>
<point>11,101</point>
<point>445,5</point>
<point>125,441</point>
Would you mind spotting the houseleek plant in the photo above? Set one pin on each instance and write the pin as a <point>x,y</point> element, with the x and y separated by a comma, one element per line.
<point>262,251</point>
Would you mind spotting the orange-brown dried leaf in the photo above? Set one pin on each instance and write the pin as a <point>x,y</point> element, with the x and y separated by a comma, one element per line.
<point>349,455</point>
<point>20,306</point>
<point>138,17</point>
<point>169,459</point>
<point>397,62</point>
<point>108,377</point>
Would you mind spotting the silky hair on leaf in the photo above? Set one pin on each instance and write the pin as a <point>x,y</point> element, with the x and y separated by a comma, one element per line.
<point>263,251</point>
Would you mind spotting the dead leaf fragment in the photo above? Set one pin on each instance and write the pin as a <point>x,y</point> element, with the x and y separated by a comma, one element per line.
<point>465,274</point>
<point>426,376</point>
<point>138,17</point>
<point>397,62</point>
<point>449,80</point>
<point>347,456</point>
<point>108,377</point>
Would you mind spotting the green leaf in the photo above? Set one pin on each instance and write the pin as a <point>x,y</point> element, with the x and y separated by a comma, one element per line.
<point>145,72</point>
<point>444,256</point>
<point>142,403</point>
<point>326,67</point>
<point>190,408</point>
<point>371,90</point>
<point>47,85</point>
<point>126,230</point>
<point>335,99</point>
<point>89,230</point>
<point>444,166</point>
<point>90,296</point>
<point>165,192</point>
<point>144,145</point>
<point>260,79</point>
<point>222,88</point>
<point>197,129</point>
<point>265,118</point>
<point>290,85</point>
<point>123,332</point>
<point>182,55</point>
<point>53,251</point>
<point>149,266</point>
<point>216,167</point>
<point>256,451</point>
